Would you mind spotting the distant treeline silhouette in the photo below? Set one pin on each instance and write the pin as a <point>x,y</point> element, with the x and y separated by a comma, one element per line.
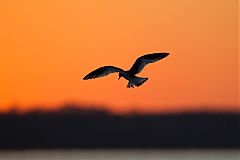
<point>72,127</point>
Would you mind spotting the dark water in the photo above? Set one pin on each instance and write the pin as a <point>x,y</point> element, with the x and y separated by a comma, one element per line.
<point>121,155</point>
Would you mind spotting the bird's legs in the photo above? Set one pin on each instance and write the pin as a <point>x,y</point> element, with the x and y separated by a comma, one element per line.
<point>130,85</point>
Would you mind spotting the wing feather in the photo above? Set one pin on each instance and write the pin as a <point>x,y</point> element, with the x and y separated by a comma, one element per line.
<point>142,61</point>
<point>102,71</point>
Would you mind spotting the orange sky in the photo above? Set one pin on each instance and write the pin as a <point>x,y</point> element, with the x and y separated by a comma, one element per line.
<point>47,47</point>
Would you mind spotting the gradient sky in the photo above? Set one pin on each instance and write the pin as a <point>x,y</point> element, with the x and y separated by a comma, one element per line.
<point>48,46</point>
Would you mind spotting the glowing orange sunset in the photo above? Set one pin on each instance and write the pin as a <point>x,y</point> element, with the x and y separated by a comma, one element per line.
<point>47,47</point>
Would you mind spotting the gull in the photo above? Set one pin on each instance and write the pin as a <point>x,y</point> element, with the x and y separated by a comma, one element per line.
<point>129,75</point>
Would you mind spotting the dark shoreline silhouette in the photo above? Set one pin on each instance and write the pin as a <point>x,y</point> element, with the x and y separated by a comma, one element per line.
<point>71,128</point>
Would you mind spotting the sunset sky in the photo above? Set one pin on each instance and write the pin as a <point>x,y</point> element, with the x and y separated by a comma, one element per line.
<point>48,46</point>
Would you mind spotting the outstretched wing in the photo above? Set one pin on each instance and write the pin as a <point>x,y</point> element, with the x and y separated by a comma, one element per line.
<point>142,61</point>
<point>103,71</point>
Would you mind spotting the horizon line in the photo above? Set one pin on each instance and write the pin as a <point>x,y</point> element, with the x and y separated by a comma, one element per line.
<point>94,107</point>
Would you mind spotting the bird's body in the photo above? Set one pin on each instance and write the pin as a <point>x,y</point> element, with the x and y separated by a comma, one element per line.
<point>129,75</point>
<point>133,80</point>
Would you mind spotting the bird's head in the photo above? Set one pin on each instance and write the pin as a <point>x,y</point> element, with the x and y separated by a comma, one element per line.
<point>119,75</point>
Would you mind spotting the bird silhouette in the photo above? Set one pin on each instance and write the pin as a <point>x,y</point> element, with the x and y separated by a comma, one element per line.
<point>129,75</point>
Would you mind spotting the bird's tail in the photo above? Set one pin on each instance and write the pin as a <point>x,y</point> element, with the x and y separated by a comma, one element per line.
<point>136,81</point>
